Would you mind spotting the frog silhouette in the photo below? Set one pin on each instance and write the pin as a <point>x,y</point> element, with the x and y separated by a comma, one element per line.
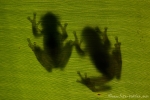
<point>55,53</point>
<point>106,60</point>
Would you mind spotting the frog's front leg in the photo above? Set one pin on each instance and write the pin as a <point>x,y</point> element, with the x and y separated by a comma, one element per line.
<point>78,45</point>
<point>105,40</point>
<point>64,32</point>
<point>41,56</point>
<point>35,30</point>
<point>117,57</point>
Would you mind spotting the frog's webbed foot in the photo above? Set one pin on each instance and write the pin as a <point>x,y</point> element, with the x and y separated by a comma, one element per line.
<point>32,46</point>
<point>84,80</point>
<point>87,82</point>
<point>64,32</point>
<point>36,31</point>
<point>94,83</point>
<point>117,51</point>
<point>65,25</point>
<point>32,20</point>
<point>76,39</point>
<point>106,40</point>
<point>118,44</point>
<point>98,30</point>
<point>104,37</point>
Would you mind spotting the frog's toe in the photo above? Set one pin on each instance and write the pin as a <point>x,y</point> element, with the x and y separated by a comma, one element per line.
<point>49,69</point>
<point>28,18</point>
<point>71,42</point>
<point>34,13</point>
<point>78,81</point>
<point>105,28</point>
<point>116,38</point>
<point>30,44</point>
<point>78,72</point>
<point>66,24</point>
<point>28,39</point>
<point>74,33</point>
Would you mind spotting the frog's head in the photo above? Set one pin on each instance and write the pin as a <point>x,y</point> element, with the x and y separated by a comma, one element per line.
<point>49,21</point>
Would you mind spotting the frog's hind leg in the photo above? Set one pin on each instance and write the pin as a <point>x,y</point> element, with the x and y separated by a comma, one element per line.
<point>30,44</point>
<point>64,55</point>
<point>77,44</point>
<point>41,56</point>
<point>118,58</point>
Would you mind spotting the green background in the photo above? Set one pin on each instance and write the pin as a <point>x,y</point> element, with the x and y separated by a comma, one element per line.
<point>23,78</point>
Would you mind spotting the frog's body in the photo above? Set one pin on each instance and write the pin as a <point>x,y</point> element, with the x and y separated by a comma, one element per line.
<point>108,63</point>
<point>97,50</point>
<point>54,54</point>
